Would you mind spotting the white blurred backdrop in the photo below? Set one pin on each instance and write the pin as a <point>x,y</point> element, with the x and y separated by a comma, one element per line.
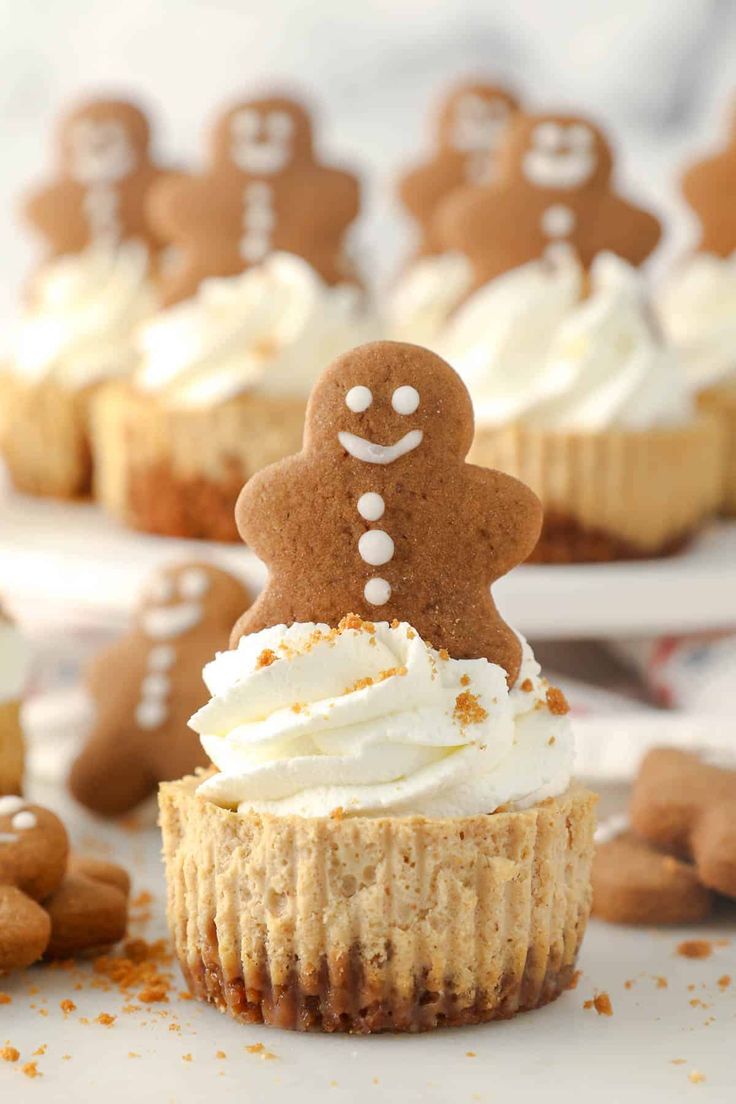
<point>659,73</point>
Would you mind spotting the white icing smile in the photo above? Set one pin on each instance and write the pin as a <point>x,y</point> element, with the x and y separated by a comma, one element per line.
<point>371,453</point>
<point>560,155</point>
<point>165,622</point>
<point>261,144</point>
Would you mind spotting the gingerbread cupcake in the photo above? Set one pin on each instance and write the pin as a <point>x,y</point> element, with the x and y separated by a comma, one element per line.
<point>86,300</point>
<point>14,661</point>
<point>698,302</point>
<point>392,839</point>
<point>220,392</point>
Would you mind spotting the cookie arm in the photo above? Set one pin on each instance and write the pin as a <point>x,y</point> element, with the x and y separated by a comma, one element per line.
<point>639,231</point>
<point>25,929</point>
<point>111,775</point>
<point>512,514</point>
<point>55,212</point>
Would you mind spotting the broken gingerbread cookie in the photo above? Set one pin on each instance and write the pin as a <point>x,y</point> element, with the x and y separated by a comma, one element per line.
<point>146,686</point>
<point>686,806</point>
<point>263,191</point>
<point>470,126</point>
<point>105,173</point>
<point>635,883</point>
<point>405,527</point>
<point>552,191</point>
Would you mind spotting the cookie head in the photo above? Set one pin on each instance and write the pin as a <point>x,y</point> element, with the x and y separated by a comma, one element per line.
<point>33,847</point>
<point>187,598</point>
<point>387,400</point>
<point>102,142</point>
<point>263,137</point>
<point>556,153</point>
<point>474,118</point>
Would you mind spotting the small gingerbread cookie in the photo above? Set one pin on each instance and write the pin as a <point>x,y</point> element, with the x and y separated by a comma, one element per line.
<point>633,883</point>
<point>33,859</point>
<point>470,125</point>
<point>708,186</point>
<point>687,807</point>
<point>390,520</point>
<point>263,191</point>
<point>552,191</point>
<point>147,685</point>
<point>105,173</point>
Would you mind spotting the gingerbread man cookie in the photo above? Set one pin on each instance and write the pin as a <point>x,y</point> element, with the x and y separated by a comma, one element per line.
<point>147,685</point>
<point>708,186</point>
<point>470,126</point>
<point>634,883</point>
<point>552,190</point>
<point>264,191</point>
<point>687,807</point>
<point>89,910</point>
<point>105,173</point>
<point>33,859</point>
<point>390,520</point>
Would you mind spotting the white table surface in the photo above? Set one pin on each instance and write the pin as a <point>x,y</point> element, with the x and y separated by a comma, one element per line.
<point>70,557</point>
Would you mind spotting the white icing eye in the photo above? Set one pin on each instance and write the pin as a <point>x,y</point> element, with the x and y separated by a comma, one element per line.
<point>377,591</point>
<point>280,124</point>
<point>161,589</point>
<point>10,805</point>
<point>24,821</point>
<point>371,506</point>
<point>547,136</point>
<point>194,583</point>
<point>580,136</point>
<point>405,400</point>
<point>358,399</point>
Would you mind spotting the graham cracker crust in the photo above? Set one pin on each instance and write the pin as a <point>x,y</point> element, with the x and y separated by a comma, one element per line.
<point>564,540</point>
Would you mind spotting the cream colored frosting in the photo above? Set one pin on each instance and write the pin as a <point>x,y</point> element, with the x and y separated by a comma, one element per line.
<point>370,720</point>
<point>425,297</point>
<point>697,306</point>
<point>14,660</point>
<point>84,311</point>
<point>272,329</point>
<point>531,349</point>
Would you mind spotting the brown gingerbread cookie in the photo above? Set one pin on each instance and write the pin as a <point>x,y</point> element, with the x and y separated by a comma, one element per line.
<point>33,860</point>
<point>708,186</point>
<point>89,910</point>
<point>470,125</point>
<point>263,191</point>
<point>552,190</point>
<point>687,807</point>
<point>634,883</point>
<point>147,685</point>
<point>105,173</point>
<point>390,520</point>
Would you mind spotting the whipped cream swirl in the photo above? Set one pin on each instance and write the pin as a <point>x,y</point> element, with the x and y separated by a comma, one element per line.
<point>84,310</point>
<point>368,720</point>
<point>426,296</point>
<point>270,330</point>
<point>697,306</point>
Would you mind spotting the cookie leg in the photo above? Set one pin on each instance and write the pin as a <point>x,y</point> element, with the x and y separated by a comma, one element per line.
<point>24,930</point>
<point>111,777</point>
<point>713,845</point>
<point>86,915</point>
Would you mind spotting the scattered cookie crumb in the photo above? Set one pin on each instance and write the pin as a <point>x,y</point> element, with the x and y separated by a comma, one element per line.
<point>9,1054</point>
<point>696,1077</point>
<point>5,998</point>
<point>470,1054</point>
<point>186,1057</point>
<point>661,982</point>
<point>629,983</point>
<point>40,1051</point>
<point>724,982</point>
<point>105,1019</point>
<point>602,1004</point>
<point>220,1054</point>
<point>133,1054</point>
<point>30,1069</point>
<point>678,1061</point>
<point>67,1006</point>
<point>695,948</point>
<point>468,709</point>
<point>527,686</point>
<point>260,1050</point>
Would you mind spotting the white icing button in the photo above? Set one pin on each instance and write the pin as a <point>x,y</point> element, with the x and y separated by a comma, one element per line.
<point>371,506</point>
<point>24,820</point>
<point>150,713</point>
<point>155,685</point>
<point>558,221</point>
<point>376,547</point>
<point>161,657</point>
<point>405,400</point>
<point>10,804</point>
<point>194,583</point>
<point>161,589</point>
<point>377,591</point>
<point>358,399</point>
